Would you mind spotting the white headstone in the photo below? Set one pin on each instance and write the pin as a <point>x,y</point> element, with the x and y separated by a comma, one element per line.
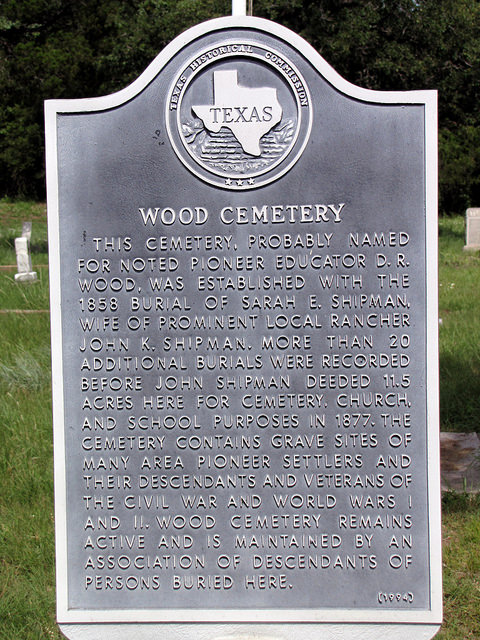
<point>473,229</point>
<point>24,263</point>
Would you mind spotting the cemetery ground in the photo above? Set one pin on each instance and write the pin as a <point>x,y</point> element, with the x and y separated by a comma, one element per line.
<point>27,588</point>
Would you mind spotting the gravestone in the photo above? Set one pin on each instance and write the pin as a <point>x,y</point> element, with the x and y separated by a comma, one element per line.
<point>27,230</point>
<point>24,260</point>
<point>244,311</point>
<point>473,229</point>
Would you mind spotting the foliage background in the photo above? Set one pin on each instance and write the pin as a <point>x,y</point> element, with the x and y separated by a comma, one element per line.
<point>84,48</point>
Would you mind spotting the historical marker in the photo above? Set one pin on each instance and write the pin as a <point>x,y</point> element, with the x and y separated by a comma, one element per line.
<point>244,318</point>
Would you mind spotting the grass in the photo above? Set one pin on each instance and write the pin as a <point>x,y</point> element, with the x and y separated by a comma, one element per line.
<point>26,504</point>
<point>27,593</point>
<point>459,310</point>
<point>12,216</point>
<point>461,566</point>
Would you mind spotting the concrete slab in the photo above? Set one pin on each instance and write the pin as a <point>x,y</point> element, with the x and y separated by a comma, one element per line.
<point>460,461</point>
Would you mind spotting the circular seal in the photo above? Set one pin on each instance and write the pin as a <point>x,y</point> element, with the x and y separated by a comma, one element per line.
<point>239,115</point>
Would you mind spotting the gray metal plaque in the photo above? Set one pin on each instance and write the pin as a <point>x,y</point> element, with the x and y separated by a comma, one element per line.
<point>243,268</point>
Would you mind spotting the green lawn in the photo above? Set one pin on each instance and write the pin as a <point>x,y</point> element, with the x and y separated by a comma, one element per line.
<point>461,567</point>
<point>459,310</point>
<point>12,215</point>
<point>27,594</point>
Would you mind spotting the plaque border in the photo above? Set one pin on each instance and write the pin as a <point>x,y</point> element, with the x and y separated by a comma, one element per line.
<point>420,618</point>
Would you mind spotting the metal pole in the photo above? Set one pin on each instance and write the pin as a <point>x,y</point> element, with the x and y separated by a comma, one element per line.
<point>239,7</point>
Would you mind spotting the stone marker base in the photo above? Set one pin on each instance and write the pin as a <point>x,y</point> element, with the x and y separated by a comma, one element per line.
<point>249,631</point>
<point>460,461</point>
<point>28,276</point>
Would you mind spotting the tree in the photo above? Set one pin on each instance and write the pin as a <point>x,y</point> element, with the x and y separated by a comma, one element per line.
<point>67,48</point>
<point>73,48</point>
<point>401,45</point>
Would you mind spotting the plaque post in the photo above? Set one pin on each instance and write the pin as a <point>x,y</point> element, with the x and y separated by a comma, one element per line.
<point>245,352</point>
<point>239,7</point>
